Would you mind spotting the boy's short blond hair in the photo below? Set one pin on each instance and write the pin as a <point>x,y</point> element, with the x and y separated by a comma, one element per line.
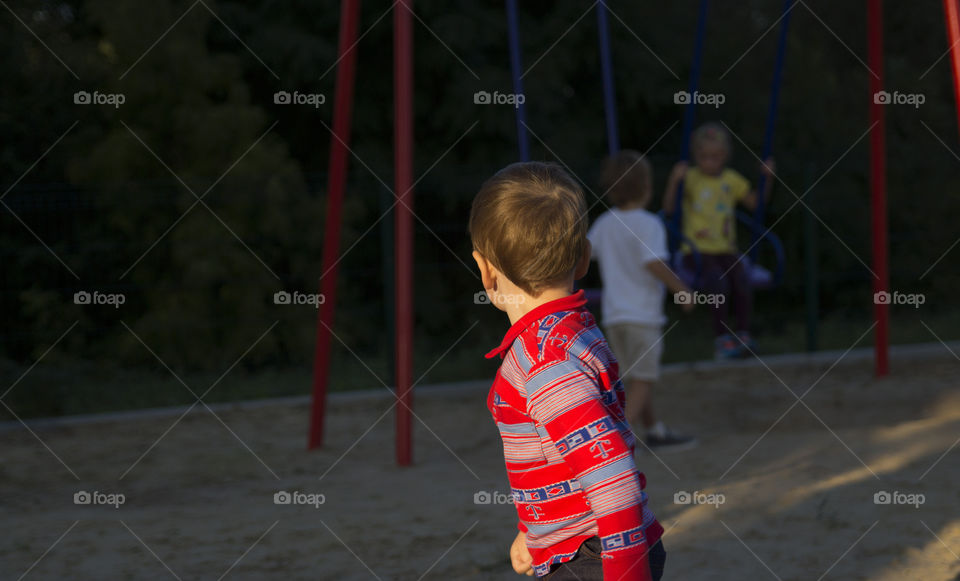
<point>530,222</point>
<point>711,132</point>
<point>625,177</point>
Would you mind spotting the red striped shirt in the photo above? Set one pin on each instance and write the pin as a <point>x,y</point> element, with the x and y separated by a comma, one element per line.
<point>558,402</point>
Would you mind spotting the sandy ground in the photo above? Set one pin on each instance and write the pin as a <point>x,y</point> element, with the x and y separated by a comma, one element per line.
<point>798,482</point>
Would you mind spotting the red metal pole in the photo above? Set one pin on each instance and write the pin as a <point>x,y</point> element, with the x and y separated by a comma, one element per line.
<point>403,185</point>
<point>951,11</point>
<point>336,185</point>
<point>878,185</point>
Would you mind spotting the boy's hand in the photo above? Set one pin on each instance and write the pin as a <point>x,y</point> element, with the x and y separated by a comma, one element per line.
<point>520,556</point>
<point>769,167</point>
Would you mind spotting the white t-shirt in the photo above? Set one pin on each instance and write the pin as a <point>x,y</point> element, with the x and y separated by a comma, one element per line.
<point>623,243</point>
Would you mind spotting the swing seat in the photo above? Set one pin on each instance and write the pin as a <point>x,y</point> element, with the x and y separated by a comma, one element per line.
<point>759,277</point>
<point>762,278</point>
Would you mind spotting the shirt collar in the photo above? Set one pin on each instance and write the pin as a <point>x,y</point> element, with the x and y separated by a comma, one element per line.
<point>567,303</point>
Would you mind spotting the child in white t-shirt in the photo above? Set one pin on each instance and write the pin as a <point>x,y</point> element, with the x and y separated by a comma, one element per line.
<point>630,245</point>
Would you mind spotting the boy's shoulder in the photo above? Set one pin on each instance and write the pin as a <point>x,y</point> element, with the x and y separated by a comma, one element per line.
<point>633,218</point>
<point>735,183</point>
<point>564,335</point>
<point>729,178</point>
<point>694,173</point>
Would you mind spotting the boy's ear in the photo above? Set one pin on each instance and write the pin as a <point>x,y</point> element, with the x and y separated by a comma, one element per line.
<point>584,265</point>
<point>487,272</point>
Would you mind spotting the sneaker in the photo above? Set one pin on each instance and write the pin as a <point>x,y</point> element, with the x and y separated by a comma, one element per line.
<point>726,347</point>
<point>660,438</point>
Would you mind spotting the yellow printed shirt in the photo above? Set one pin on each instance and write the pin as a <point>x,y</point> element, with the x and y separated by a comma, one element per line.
<point>708,210</point>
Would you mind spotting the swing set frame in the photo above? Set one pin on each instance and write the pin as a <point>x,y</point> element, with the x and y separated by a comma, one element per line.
<point>403,178</point>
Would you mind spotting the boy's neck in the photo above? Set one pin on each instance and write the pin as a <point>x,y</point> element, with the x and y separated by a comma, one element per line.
<point>714,174</point>
<point>517,310</point>
<point>632,206</point>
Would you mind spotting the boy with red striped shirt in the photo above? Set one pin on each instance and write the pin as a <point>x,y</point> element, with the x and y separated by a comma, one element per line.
<point>557,398</point>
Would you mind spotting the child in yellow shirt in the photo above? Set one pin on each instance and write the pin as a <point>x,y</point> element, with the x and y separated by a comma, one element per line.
<point>711,192</point>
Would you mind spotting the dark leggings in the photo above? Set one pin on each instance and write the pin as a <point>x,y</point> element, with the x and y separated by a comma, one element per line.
<point>587,566</point>
<point>725,274</point>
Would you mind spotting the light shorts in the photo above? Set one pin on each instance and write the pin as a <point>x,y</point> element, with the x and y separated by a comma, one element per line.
<point>637,348</point>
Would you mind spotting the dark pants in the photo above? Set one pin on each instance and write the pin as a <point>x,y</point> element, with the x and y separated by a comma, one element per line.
<point>586,565</point>
<point>724,274</point>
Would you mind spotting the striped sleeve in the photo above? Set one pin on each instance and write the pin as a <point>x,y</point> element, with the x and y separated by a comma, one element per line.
<point>564,397</point>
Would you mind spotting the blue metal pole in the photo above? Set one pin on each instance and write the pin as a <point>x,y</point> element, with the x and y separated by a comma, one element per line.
<point>760,210</point>
<point>690,111</point>
<point>606,68</point>
<point>694,84</point>
<point>523,139</point>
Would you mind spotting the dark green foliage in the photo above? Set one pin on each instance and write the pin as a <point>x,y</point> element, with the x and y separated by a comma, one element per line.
<point>203,96</point>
